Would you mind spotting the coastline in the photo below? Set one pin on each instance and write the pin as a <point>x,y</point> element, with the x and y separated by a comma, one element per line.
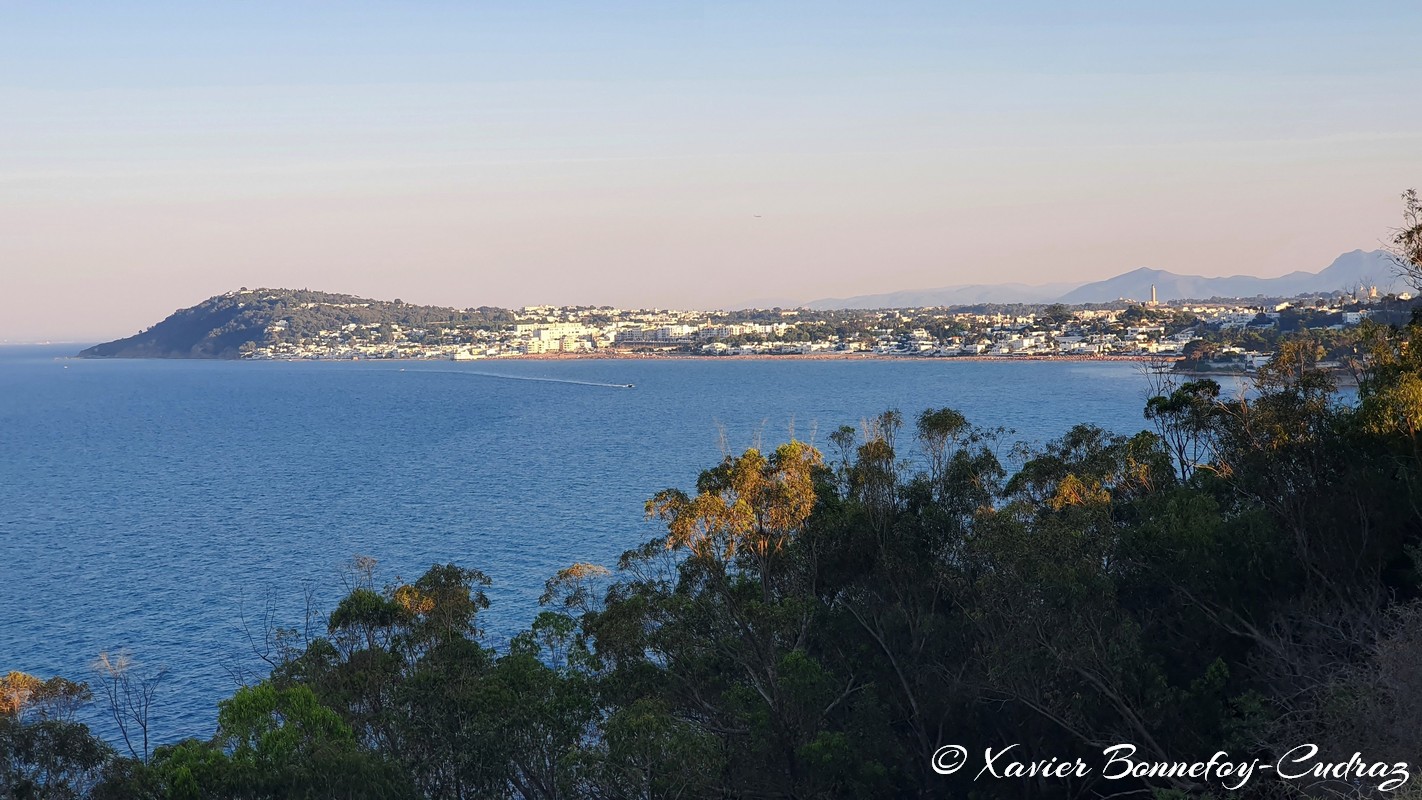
<point>791,357</point>
<point>644,356</point>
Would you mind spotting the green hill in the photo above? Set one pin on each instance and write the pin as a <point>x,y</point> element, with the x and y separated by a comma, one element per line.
<point>221,326</point>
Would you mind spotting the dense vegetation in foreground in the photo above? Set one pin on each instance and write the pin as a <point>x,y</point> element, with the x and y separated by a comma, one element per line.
<point>1241,578</point>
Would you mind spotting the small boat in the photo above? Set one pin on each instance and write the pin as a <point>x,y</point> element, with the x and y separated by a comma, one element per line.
<point>631,386</point>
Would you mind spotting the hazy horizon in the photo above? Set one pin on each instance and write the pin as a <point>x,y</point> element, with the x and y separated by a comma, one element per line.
<point>634,154</point>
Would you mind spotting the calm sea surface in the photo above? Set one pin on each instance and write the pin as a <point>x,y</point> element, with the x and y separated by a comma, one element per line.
<point>148,506</point>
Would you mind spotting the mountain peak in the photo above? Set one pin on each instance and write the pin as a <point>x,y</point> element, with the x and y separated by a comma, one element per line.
<point>1347,272</point>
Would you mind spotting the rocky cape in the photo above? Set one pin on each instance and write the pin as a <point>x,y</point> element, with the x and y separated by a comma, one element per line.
<point>221,326</point>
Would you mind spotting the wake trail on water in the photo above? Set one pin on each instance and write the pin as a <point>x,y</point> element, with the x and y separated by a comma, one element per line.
<point>473,374</point>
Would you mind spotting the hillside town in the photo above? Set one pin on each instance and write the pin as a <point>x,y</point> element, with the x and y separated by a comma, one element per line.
<point>1122,330</point>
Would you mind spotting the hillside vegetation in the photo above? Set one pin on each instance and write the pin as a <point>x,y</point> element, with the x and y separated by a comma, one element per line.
<point>221,326</point>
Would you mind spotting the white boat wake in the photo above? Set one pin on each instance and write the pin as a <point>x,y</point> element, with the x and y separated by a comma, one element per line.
<point>519,378</point>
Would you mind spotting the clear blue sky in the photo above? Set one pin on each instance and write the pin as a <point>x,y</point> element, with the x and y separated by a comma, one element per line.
<point>153,154</point>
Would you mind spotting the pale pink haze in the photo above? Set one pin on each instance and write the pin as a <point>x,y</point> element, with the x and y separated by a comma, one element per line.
<point>660,159</point>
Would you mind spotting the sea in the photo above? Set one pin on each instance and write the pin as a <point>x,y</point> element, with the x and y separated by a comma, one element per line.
<point>167,509</point>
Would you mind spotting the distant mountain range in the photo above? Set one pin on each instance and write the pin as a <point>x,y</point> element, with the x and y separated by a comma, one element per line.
<point>961,295</point>
<point>1346,273</point>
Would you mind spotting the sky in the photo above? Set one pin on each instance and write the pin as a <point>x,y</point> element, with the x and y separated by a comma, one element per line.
<point>682,155</point>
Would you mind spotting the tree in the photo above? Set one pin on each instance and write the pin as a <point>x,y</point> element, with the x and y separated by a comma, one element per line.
<point>276,743</point>
<point>130,697</point>
<point>731,642</point>
<point>43,752</point>
<point>750,506</point>
<point>1182,415</point>
<point>50,758</point>
<point>23,695</point>
<point>1406,249</point>
<point>1200,350</point>
<point>1056,314</point>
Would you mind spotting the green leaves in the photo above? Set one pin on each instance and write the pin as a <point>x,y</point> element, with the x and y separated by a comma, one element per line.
<point>275,742</point>
<point>267,728</point>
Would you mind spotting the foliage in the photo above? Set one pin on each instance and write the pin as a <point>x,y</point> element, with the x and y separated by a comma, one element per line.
<point>221,326</point>
<point>1407,240</point>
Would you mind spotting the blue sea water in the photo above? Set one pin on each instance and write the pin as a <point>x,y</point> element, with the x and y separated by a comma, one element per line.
<point>150,506</point>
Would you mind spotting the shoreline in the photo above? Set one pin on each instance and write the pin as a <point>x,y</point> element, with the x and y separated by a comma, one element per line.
<point>764,357</point>
<point>677,357</point>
